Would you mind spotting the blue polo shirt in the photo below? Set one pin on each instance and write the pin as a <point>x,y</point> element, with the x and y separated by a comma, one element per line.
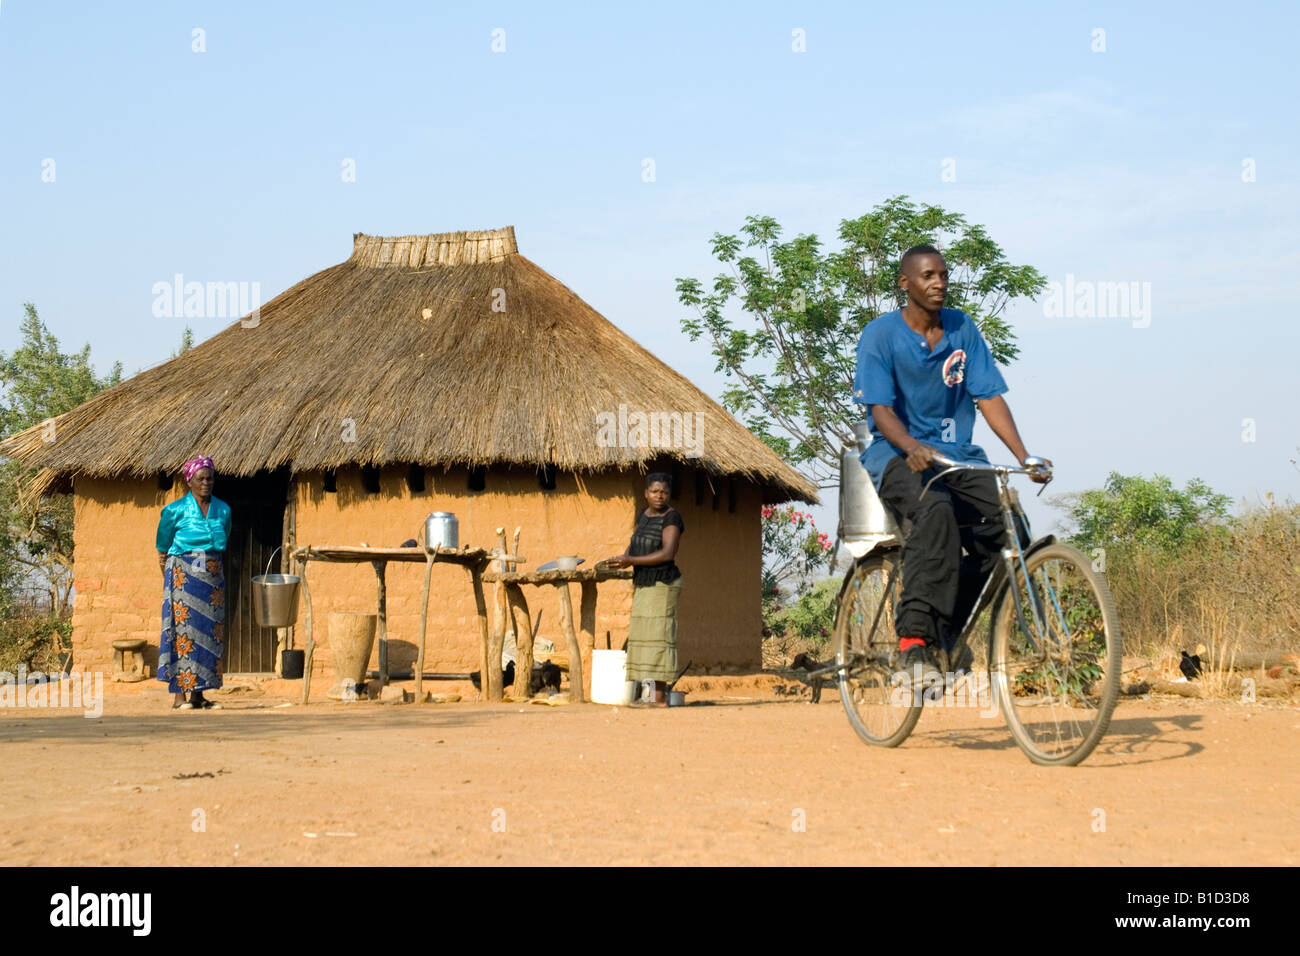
<point>932,392</point>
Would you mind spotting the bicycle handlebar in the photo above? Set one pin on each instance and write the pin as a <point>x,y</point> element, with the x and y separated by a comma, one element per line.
<point>1032,466</point>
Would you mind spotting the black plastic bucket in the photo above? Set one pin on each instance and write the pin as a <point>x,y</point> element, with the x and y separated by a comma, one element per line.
<point>291,664</point>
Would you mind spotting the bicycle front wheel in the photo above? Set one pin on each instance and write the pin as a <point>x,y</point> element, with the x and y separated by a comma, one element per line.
<point>881,711</point>
<point>1055,656</point>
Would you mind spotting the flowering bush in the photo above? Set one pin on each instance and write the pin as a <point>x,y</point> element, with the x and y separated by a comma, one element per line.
<point>794,551</point>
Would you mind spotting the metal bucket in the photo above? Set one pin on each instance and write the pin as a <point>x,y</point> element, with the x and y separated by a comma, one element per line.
<point>441,529</point>
<point>862,516</point>
<point>275,599</point>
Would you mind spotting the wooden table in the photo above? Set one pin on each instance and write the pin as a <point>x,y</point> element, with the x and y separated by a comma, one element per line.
<point>512,581</point>
<point>473,560</point>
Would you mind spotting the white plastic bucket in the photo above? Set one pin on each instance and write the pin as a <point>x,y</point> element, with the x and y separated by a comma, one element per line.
<point>609,683</point>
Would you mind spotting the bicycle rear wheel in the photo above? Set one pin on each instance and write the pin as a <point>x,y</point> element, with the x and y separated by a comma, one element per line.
<point>1055,665</point>
<point>881,712</point>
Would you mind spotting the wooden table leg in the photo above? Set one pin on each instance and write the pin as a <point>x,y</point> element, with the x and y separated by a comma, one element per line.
<point>587,627</point>
<point>424,627</point>
<point>480,605</point>
<point>523,639</point>
<point>577,694</point>
<point>381,628</point>
<point>490,678</point>
<point>311,635</point>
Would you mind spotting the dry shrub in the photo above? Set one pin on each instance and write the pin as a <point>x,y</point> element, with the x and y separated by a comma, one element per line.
<point>1239,589</point>
<point>780,649</point>
<point>37,641</point>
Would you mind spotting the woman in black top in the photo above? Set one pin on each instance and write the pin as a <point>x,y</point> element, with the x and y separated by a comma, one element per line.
<point>657,585</point>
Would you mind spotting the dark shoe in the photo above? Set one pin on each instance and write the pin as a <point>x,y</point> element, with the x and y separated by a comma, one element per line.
<point>918,669</point>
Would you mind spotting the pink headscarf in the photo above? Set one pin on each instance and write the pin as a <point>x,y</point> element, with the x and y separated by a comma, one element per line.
<point>194,464</point>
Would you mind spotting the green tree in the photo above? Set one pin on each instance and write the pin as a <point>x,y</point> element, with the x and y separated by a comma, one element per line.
<point>40,382</point>
<point>793,357</point>
<point>187,342</point>
<point>1132,510</point>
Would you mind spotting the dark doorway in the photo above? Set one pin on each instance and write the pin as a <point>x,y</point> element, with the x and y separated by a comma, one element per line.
<point>256,528</point>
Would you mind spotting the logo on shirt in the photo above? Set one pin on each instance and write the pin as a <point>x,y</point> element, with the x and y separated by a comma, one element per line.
<point>954,368</point>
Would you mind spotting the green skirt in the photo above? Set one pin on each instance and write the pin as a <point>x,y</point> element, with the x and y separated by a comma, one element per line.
<point>652,636</point>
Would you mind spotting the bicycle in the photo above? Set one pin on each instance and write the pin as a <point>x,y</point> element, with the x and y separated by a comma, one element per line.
<point>1054,652</point>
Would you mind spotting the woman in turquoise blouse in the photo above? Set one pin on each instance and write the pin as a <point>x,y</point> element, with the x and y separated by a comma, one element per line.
<point>192,536</point>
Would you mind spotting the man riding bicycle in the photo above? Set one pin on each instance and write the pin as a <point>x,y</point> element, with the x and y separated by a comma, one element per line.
<point>920,371</point>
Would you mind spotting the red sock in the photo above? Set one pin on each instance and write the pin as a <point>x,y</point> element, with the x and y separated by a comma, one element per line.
<point>904,643</point>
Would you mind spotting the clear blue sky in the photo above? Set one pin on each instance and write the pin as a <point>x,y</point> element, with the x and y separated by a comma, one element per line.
<point>1116,166</point>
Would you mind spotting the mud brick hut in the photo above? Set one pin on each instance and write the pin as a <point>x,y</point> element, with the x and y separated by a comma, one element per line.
<point>444,372</point>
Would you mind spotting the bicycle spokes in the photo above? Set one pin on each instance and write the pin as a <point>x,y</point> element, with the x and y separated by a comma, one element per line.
<point>868,656</point>
<point>1059,655</point>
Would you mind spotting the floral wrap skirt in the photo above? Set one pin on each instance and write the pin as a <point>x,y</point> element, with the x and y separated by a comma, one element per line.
<point>193,621</point>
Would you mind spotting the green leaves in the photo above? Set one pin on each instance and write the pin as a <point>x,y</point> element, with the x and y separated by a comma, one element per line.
<point>40,382</point>
<point>187,343</point>
<point>785,319</point>
<point>1133,509</point>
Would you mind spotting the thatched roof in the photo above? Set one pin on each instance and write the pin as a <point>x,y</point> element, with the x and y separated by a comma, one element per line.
<point>443,349</point>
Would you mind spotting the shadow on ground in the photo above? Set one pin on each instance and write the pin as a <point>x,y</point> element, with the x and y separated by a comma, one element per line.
<point>241,724</point>
<point>1145,738</point>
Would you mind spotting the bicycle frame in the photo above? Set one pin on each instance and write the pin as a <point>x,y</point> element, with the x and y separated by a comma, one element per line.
<point>1014,557</point>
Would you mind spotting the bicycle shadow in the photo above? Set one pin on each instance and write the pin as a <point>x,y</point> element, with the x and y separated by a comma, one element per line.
<point>1129,741</point>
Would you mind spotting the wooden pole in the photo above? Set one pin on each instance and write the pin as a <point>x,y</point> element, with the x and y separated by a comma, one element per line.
<point>523,636</point>
<point>381,624</point>
<point>523,639</point>
<point>429,557</point>
<point>311,637</point>
<point>587,625</point>
<point>576,691</point>
<point>288,543</point>
<point>480,605</point>
<point>512,628</point>
<point>491,676</point>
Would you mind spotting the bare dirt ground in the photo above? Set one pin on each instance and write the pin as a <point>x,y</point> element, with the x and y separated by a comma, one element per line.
<point>743,776</point>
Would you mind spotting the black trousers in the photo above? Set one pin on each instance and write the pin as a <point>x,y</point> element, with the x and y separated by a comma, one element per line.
<point>940,586</point>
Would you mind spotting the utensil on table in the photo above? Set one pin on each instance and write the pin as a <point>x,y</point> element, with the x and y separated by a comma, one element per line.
<point>557,566</point>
